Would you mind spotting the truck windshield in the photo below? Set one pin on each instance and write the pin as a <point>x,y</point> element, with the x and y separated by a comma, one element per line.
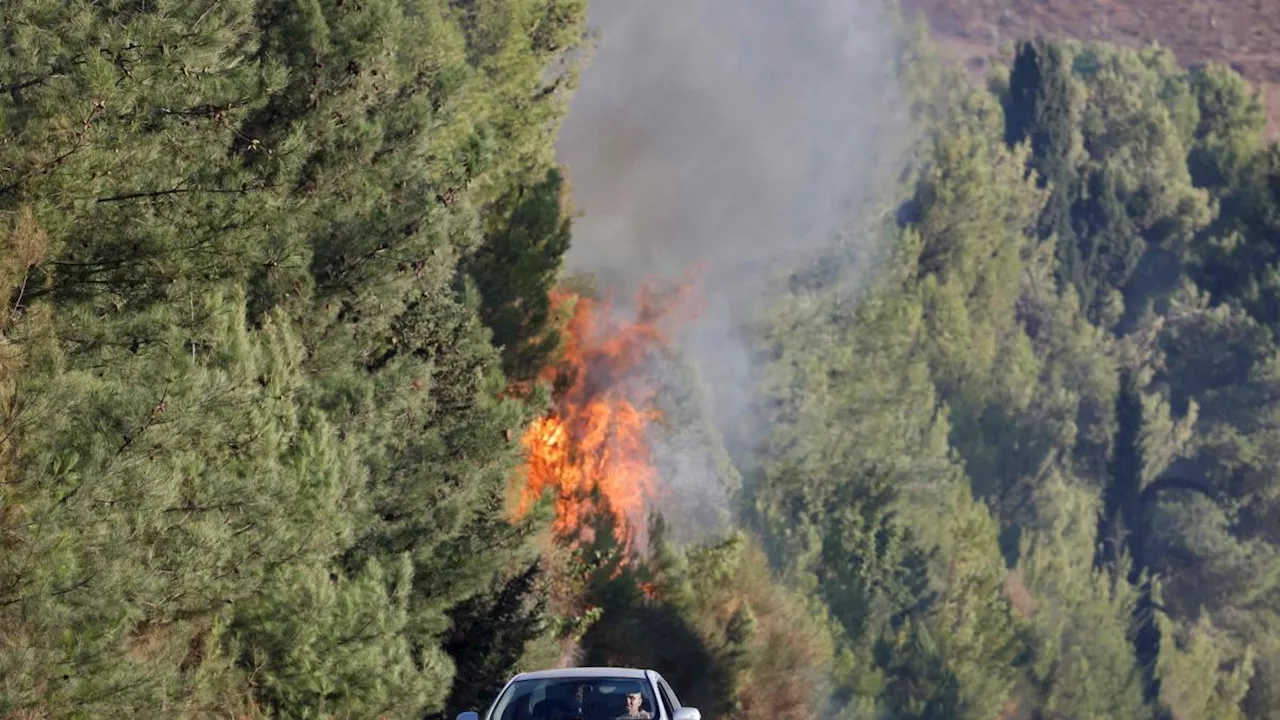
<point>575,698</point>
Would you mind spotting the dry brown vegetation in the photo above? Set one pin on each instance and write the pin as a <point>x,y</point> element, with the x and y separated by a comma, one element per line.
<point>1244,34</point>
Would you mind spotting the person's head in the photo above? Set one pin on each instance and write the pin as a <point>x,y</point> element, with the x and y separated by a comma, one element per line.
<point>634,702</point>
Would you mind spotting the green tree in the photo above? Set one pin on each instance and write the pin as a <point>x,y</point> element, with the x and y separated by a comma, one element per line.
<point>733,639</point>
<point>1194,684</point>
<point>1080,618</point>
<point>1042,107</point>
<point>515,269</point>
<point>160,499</point>
<point>265,360</point>
<point>1236,259</point>
<point>1230,127</point>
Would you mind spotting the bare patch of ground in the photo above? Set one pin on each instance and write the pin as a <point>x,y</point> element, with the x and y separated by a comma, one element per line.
<point>1244,34</point>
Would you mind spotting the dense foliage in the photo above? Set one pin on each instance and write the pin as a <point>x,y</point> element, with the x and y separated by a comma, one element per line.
<point>253,448</point>
<point>1029,471</point>
<point>268,267</point>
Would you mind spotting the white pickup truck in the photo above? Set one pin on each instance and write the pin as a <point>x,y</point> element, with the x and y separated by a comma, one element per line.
<point>594,693</point>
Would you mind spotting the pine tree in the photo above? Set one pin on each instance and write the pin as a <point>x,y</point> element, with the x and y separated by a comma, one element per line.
<point>267,372</point>
<point>166,494</point>
<point>1082,662</point>
<point>488,637</point>
<point>516,267</point>
<point>1229,129</point>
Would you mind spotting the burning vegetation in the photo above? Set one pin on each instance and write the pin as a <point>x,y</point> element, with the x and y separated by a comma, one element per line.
<point>592,452</point>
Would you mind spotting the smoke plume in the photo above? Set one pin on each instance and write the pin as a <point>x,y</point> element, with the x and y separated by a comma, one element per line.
<point>737,137</point>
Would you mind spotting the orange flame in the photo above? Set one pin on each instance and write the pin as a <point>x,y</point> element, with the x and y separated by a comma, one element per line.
<point>594,445</point>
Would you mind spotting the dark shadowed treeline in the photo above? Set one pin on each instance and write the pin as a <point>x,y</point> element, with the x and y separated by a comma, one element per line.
<point>271,269</point>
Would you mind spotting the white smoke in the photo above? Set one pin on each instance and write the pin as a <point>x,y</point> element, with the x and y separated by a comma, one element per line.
<point>736,136</point>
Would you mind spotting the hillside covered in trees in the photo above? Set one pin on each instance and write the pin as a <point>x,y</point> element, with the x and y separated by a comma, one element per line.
<point>1241,34</point>
<point>288,359</point>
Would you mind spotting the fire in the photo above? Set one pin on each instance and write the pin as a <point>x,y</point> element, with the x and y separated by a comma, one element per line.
<point>592,451</point>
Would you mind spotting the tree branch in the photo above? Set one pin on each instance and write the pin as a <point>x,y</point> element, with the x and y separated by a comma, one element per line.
<point>180,191</point>
<point>1195,485</point>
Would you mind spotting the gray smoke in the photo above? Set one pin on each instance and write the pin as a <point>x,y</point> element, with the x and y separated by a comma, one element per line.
<point>741,137</point>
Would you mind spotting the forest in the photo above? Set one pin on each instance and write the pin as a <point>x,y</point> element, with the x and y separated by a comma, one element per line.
<point>302,416</point>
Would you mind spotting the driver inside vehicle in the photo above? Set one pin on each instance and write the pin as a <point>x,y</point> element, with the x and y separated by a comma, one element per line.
<point>577,700</point>
<point>635,706</point>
